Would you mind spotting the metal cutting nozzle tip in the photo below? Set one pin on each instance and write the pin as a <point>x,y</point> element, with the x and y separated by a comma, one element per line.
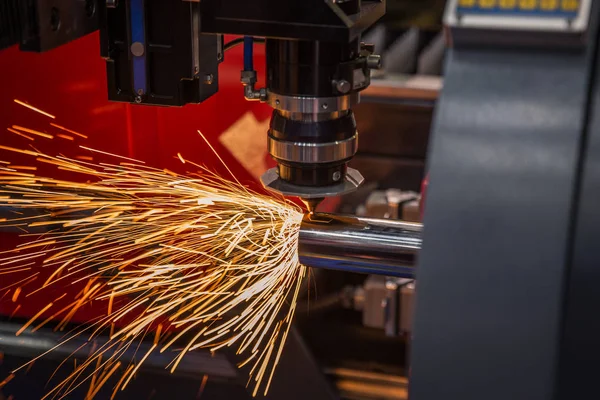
<point>311,204</point>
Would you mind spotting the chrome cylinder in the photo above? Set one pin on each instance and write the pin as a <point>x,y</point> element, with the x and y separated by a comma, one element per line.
<point>364,245</point>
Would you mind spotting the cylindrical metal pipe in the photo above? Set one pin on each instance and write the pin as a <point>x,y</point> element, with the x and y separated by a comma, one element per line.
<point>354,244</point>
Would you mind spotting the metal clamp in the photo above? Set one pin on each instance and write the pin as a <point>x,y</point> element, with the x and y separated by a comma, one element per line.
<point>312,105</point>
<point>315,153</point>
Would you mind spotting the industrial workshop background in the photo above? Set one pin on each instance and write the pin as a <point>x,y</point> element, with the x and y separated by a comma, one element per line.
<point>476,167</point>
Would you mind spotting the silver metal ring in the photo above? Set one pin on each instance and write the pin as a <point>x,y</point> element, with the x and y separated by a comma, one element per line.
<point>312,105</point>
<point>314,153</point>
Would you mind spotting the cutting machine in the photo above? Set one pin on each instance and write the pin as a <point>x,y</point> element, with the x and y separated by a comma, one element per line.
<point>507,297</point>
<point>167,53</point>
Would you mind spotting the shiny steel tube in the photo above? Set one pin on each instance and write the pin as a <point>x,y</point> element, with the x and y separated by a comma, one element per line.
<point>364,245</point>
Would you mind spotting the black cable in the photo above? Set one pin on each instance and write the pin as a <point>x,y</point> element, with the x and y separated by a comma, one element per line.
<point>235,42</point>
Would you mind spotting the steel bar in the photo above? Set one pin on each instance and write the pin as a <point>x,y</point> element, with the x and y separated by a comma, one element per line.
<point>364,245</point>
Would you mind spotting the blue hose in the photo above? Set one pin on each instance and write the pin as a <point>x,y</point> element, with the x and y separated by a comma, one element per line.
<point>248,53</point>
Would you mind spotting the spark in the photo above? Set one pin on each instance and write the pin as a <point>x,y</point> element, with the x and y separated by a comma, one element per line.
<point>20,134</point>
<point>6,380</point>
<point>33,132</point>
<point>66,137</point>
<point>110,154</point>
<point>32,320</point>
<point>201,261</point>
<point>69,130</point>
<point>22,103</point>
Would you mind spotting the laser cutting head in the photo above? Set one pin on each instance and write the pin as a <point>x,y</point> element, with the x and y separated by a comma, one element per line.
<point>312,86</point>
<point>312,139</point>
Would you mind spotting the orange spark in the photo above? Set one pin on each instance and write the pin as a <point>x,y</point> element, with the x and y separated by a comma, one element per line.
<point>19,133</point>
<point>32,320</point>
<point>33,132</point>
<point>110,154</point>
<point>8,379</point>
<point>66,137</point>
<point>16,294</point>
<point>34,108</point>
<point>69,130</point>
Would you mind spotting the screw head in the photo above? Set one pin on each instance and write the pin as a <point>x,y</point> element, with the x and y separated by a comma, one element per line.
<point>138,99</point>
<point>343,86</point>
<point>336,176</point>
<point>140,91</point>
<point>325,106</point>
<point>137,49</point>
<point>208,79</point>
<point>277,102</point>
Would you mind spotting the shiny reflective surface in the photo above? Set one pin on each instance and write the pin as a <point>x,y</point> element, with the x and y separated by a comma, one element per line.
<point>311,105</point>
<point>317,153</point>
<point>272,182</point>
<point>364,245</point>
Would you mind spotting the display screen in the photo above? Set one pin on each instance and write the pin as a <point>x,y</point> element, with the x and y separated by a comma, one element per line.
<point>528,8</point>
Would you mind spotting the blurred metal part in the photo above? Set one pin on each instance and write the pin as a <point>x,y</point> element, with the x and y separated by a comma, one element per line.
<point>46,25</point>
<point>431,59</point>
<point>32,344</point>
<point>403,88</point>
<point>363,245</point>
<point>363,385</point>
<point>386,303</point>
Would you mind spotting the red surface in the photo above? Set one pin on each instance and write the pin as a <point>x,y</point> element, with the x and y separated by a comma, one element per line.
<point>70,83</point>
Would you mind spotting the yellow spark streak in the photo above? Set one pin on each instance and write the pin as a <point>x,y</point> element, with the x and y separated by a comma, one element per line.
<point>33,132</point>
<point>197,253</point>
<point>104,379</point>
<point>22,103</point>
<point>69,130</point>
<point>181,158</point>
<point>11,130</point>
<point>110,154</point>
<point>220,159</point>
<point>32,320</point>
<point>28,152</point>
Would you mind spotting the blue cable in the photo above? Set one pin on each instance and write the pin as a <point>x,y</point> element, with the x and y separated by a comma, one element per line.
<point>248,53</point>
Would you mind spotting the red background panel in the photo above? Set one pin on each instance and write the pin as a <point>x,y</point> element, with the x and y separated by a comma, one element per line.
<point>70,83</point>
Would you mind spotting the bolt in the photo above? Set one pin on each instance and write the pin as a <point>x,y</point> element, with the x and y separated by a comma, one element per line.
<point>138,99</point>
<point>137,49</point>
<point>324,106</point>
<point>140,91</point>
<point>277,102</point>
<point>337,175</point>
<point>208,79</point>
<point>374,61</point>
<point>343,86</point>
